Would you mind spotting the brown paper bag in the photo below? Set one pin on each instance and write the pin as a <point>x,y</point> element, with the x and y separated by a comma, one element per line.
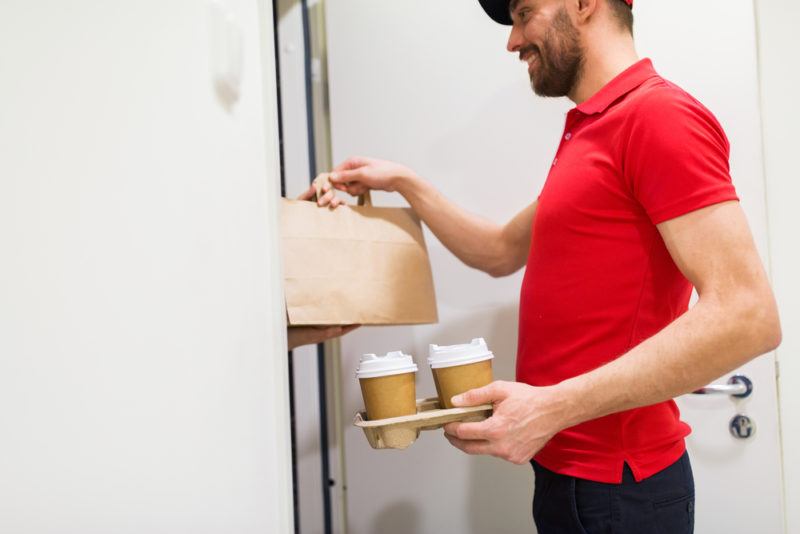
<point>355,265</point>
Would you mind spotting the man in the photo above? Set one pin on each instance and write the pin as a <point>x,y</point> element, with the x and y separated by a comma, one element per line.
<point>637,208</point>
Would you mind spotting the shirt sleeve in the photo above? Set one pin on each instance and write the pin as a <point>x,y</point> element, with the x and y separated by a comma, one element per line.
<point>676,156</point>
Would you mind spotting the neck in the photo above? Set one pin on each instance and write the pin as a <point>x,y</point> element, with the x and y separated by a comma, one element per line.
<point>605,58</point>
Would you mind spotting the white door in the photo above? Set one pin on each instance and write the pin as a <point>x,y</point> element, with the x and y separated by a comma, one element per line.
<point>778,45</point>
<point>430,84</point>
<point>142,344</point>
<point>738,481</point>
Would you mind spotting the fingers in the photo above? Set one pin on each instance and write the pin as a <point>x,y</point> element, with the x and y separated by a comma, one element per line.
<point>346,177</point>
<point>482,430</point>
<point>336,202</point>
<point>349,328</point>
<point>496,391</point>
<point>352,188</point>
<point>308,194</point>
<point>311,335</point>
<point>297,336</point>
<point>470,447</point>
<point>338,331</point>
<point>324,333</point>
<point>327,197</point>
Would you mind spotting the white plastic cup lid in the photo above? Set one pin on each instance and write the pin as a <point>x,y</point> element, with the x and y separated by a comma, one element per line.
<point>452,355</point>
<point>393,363</point>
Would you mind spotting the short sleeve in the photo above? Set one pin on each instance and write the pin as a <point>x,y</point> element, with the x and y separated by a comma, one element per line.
<point>676,156</point>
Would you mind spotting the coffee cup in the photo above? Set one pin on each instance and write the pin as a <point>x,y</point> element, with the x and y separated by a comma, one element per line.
<point>459,368</point>
<point>388,385</point>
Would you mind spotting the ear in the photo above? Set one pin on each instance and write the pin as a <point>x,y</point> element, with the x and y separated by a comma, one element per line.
<point>583,10</point>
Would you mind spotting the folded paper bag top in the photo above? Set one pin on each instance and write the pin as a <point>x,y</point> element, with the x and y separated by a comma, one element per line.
<point>393,363</point>
<point>440,356</point>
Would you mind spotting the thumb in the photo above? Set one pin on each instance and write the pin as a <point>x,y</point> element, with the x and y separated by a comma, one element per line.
<point>344,176</point>
<point>488,394</point>
<point>350,181</point>
<point>352,163</point>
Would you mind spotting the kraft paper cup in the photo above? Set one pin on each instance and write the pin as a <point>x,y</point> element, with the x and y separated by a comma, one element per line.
<point>388,385</point>
<point>459,368</point>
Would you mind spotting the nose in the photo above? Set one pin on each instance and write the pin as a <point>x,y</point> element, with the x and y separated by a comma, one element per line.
<point>515,39</point>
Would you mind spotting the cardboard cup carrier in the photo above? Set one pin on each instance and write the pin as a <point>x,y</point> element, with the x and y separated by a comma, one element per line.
<point>393,419</point>
<point>459,368</point>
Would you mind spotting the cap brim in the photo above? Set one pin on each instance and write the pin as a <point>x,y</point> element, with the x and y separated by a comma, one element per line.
<point>497,10</point>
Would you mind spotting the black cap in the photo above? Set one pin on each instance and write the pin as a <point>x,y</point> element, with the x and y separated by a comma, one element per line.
<point>498,10</point>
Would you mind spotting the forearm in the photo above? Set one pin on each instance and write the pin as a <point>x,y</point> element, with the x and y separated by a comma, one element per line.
<point>496,249</point>
<point>477,242</point>
<point>706,342</point>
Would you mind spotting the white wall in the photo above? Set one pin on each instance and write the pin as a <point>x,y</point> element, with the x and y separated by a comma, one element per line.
<point>430,84</point>
<point>779,45</point>
<point>142,350</point>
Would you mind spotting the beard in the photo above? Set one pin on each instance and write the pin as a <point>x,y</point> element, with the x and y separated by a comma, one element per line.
<point>560,59</point>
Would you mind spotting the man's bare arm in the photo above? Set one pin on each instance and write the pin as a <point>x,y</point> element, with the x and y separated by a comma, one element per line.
<point>734,320</point>
<point>496,249</point>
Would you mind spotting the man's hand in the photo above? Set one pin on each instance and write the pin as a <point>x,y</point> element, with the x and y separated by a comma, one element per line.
<point>311,335</point>
<point>524,420</point>
<point>327,198</point>
<point>358,175</point>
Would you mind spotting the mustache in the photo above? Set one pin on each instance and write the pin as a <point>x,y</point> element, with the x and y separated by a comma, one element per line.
<point>524,53</point>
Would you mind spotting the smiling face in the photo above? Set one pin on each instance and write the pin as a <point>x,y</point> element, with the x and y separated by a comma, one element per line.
<point>545,38</point>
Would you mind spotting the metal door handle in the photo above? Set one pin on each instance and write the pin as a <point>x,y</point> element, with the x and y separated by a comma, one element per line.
<point>738,386</point>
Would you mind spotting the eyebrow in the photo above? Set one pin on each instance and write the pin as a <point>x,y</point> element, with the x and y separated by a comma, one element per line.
<point>512,7</point>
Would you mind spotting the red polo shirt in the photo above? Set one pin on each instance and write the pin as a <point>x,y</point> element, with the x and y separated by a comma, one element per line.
<point>599,278</point>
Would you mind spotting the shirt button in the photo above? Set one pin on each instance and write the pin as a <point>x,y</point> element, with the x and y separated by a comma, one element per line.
<point>568,136</point>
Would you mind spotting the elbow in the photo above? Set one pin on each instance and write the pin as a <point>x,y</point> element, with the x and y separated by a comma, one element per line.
<point>770,337</point>
<point>765,325</point>
<point>773,335</point>
<point>498,271</point>
<point>504,264</point>
<point>502,269</point>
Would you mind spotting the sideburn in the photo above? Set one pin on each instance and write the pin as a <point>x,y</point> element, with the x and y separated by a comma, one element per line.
<point>562,58</point>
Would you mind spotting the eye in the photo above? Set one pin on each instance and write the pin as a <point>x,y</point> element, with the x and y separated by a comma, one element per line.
<point>524,14</point>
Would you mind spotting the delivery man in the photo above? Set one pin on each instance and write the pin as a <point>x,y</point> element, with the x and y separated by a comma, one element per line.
<point>638,208</point>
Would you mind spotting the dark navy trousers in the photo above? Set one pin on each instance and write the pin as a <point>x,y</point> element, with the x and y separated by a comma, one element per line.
<point>660,504</point>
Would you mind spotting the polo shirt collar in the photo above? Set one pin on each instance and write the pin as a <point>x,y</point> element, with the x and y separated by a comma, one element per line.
<point>622,84</point>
